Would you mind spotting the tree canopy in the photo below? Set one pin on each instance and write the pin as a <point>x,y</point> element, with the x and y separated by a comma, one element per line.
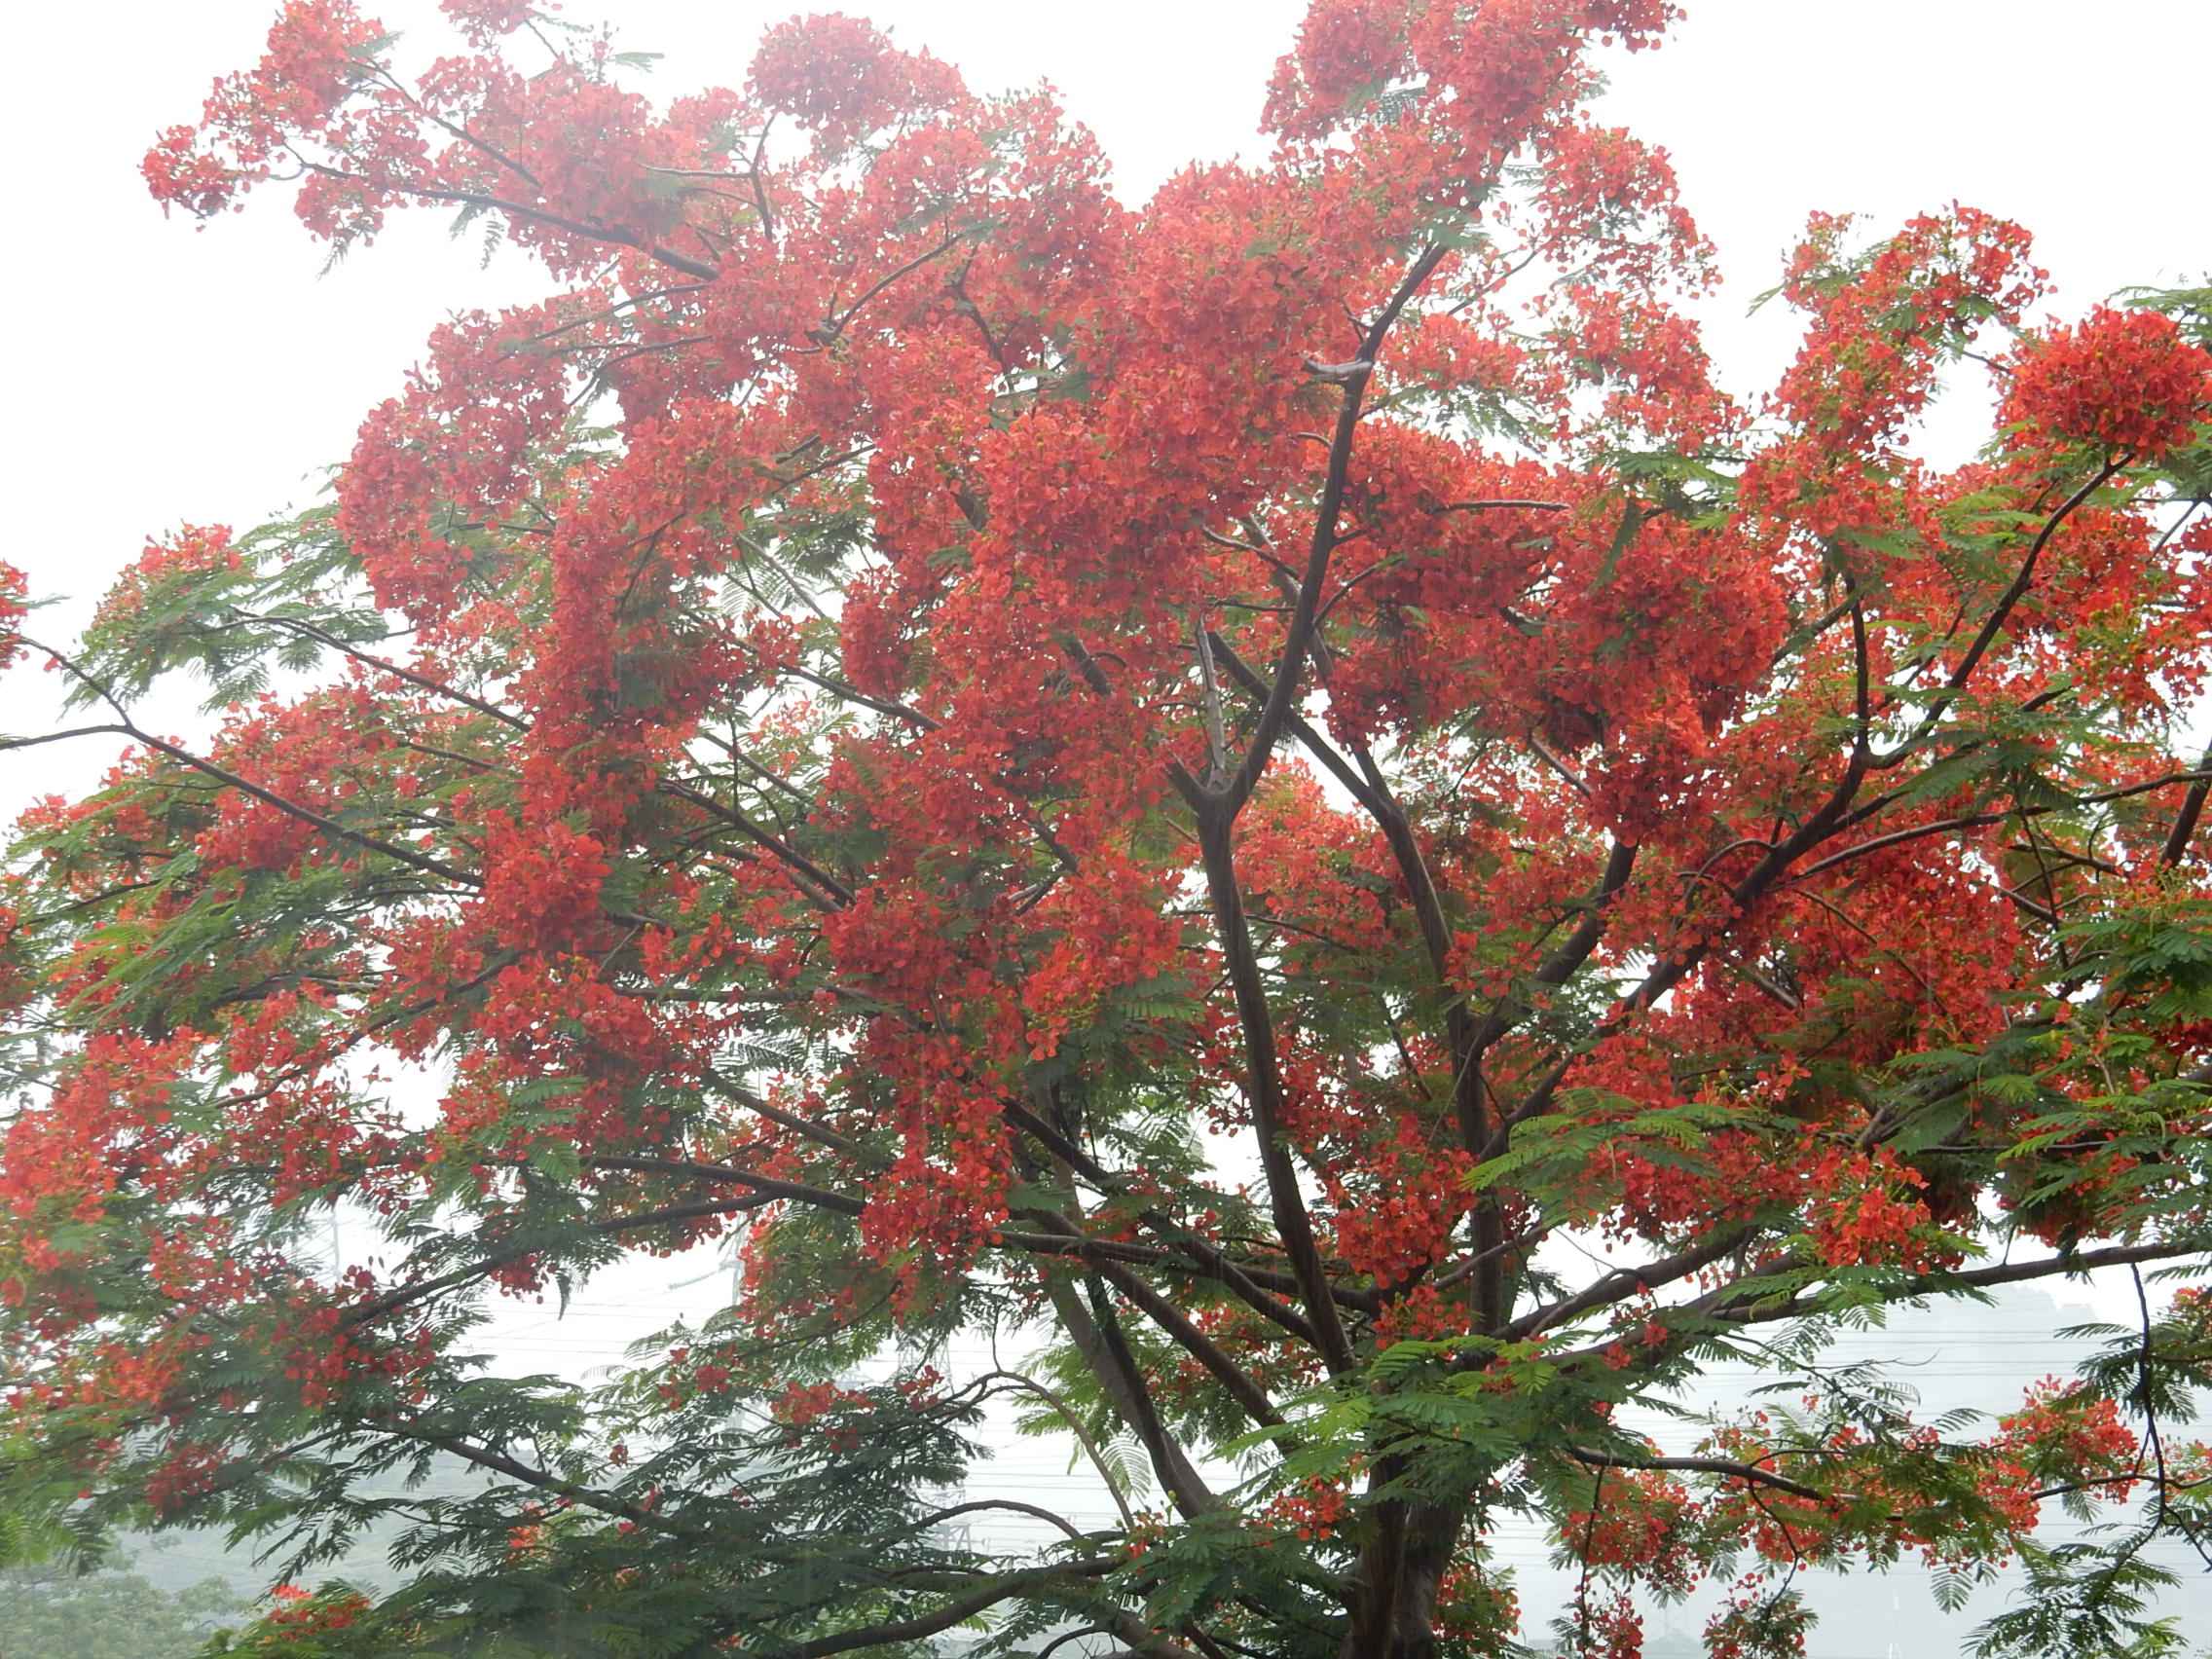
<point>52,1614</point>
<point>1200,788</point>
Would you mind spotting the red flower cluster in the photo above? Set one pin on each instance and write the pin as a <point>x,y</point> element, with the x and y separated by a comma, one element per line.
<point>842,79</point>
<point>316,54</point>
<point>1313,1511</point>
<point>2126,382</point>
<point>15,592</point>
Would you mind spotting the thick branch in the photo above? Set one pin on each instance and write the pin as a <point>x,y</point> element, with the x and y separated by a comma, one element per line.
<point>956,1613</point>
<point>1729,1468</point>
<point>268,797</point>
<point>1624,1282</point>
<point>1170,1318</point>
<point>1264,1089</point>
<point>1354,378</point>
<point>2002,610</point>
<point>516,209</point>
<point>1122,1381</point>
<point>2192,810</point>
<point>1245,1281</point>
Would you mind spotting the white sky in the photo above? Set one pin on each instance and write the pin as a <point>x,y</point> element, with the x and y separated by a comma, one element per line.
<point>162,375</point>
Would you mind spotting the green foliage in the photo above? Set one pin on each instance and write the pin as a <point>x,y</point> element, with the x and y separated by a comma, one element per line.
<point>2090,1600</point>
<point>55,1613</point>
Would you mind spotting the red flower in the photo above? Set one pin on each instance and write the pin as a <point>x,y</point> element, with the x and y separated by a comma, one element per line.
<point>2126,382</point>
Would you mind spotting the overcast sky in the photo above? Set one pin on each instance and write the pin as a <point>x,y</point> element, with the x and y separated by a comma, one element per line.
<point>164,375</point>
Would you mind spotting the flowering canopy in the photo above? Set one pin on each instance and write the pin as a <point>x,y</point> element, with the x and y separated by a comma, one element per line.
<point>1189,784</point>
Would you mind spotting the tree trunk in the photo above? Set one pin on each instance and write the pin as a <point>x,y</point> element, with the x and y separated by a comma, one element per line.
<point>1400,1573</point>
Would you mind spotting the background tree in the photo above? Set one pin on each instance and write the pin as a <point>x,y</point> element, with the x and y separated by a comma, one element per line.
<point>57,1614</point>
<point>1188,787</point>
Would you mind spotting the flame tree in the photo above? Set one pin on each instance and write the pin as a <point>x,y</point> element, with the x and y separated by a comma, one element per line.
<point>1193,787</point>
